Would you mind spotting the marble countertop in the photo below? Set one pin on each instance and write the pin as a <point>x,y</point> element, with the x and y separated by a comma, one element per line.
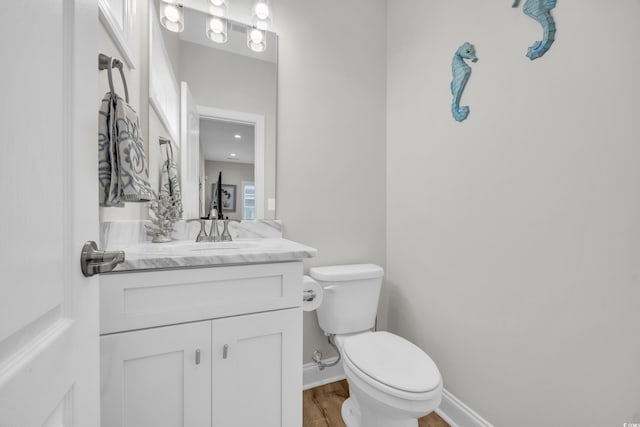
<point>185,253</point>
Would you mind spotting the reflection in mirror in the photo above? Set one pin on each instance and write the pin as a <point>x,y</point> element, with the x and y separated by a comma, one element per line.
<point>232,91</point>
<point>228,147</point>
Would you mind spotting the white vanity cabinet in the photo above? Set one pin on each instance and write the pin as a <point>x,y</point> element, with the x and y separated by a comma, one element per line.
<point>152,378</point>
<point>218,346</point>
<point>259,382</point>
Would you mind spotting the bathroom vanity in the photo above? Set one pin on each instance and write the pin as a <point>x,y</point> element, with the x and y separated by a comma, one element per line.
<point>214,341</point>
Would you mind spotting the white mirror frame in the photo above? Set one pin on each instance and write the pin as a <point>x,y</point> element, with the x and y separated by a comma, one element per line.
<point>118,17</point>
<point>164,90</point>
<point>257,121</point>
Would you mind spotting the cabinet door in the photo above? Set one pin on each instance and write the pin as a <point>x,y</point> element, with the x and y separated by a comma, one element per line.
<point>257,380</point>
<point>157,377</point>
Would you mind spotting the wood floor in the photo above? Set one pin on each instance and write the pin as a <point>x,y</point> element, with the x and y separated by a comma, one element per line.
<point>321,407</point>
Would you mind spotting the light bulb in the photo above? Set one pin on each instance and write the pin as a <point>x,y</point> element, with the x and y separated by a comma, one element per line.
<point>172,13</point>
<point>216,25</point>
<point>256,35</point>
<point>256,40</point>
<point>217,29</point>
<point>257,47</point>
<point>261,24</point>
<point>172,16</point>
<point>261,9</point>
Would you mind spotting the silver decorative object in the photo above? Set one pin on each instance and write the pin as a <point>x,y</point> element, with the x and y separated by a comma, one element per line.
<point>165,210</point>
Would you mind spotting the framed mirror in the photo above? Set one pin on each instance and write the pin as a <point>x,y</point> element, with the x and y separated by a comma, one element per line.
<point>217,103</point>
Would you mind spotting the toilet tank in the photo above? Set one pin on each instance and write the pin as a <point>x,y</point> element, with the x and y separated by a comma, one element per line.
<point>351,294</point>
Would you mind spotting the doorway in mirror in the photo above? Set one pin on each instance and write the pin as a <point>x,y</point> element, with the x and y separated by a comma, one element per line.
<point>232,142</point>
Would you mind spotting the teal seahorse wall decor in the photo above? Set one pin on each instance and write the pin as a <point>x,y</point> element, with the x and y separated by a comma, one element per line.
<point>540,10</point>
<point>461,73</point>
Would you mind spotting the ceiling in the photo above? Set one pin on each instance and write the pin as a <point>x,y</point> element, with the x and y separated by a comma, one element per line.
<point>217,141</point>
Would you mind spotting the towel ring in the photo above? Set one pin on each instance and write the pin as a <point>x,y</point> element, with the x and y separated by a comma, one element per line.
<point>167,142</point>
<point>107,62</point>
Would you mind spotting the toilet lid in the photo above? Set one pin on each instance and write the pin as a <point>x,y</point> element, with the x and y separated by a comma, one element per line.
<point>339,273</point>
<point>393,361</point>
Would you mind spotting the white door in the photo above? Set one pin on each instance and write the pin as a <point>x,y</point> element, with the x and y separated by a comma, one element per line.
<point>190,154</point>
<point>257,364</point>
<point>49,372</point>
<point>158,377</point>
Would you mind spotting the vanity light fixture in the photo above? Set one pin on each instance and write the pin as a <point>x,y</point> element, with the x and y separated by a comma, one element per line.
<point>172,16</point>
<point>217,26</point>
<point>217,29</point>
<point>218,8</point>
<point>256,40</point>
<point>261,15</point>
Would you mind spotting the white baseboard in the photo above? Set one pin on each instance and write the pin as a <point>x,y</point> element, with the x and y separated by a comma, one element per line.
<point>451,409</point>
<point>457,414</point>
<point>312,376</point>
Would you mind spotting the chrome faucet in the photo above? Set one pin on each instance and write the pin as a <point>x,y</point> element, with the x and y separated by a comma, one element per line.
<point>202,234</point>
<point>226,236</point>
<point>214,233</point>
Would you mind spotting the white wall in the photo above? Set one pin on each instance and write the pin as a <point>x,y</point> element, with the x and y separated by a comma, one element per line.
<point>520,271</point>
<point>138,93</point>
<point>331,133</point>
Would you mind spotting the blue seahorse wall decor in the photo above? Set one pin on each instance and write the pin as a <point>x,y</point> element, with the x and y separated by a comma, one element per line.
<point>540,10</point>
<point>461,72</point>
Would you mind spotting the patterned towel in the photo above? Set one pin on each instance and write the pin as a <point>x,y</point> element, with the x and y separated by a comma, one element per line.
<point>169,183</point>
<point>123,173</point>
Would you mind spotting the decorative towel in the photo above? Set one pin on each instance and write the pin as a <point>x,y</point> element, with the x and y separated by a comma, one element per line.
<point>169,183</point>
<point>123,173</point>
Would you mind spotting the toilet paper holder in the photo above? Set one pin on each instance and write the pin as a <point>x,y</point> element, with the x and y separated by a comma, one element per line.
<point>312,294</point>
<point>308,295</point>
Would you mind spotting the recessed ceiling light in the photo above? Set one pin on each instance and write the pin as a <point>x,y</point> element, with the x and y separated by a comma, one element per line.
<point>237,136</point>
<point>233,154</point>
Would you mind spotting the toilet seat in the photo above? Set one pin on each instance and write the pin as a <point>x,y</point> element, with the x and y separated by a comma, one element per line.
<point>391,363</point>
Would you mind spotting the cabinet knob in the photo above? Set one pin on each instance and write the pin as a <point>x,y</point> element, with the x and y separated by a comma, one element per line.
<point>197,356</point>
<point>225,351</point>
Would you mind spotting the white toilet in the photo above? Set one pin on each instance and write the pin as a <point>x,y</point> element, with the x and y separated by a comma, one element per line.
<point>392,382</point>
